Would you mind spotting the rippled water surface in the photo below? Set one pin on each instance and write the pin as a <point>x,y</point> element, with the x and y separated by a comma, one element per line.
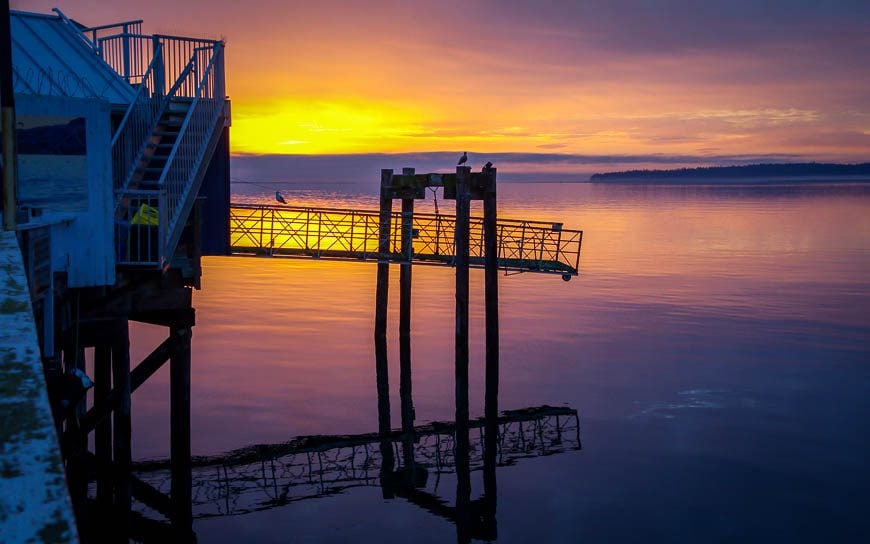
<point>716,347</point>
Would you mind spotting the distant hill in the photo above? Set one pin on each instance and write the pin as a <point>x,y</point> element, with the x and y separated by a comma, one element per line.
<point>810,171</point>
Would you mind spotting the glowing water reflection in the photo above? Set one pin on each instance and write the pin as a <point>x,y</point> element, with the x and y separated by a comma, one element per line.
<point>716,345</point>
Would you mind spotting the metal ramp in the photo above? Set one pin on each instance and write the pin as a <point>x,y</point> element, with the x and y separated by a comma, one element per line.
<point>524,246</point>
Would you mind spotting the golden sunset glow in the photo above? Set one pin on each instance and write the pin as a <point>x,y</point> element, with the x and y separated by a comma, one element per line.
<point>715,80</point>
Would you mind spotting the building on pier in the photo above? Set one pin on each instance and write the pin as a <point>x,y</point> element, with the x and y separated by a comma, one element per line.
<point>122,162</point>
<point>118,135</point>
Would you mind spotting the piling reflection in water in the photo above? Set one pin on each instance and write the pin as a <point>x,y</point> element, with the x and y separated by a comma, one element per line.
<point>268,476</point>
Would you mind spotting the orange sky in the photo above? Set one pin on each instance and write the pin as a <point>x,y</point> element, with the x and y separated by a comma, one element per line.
<point>735,78</point>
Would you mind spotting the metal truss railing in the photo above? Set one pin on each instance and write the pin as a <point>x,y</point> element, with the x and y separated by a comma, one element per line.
<point>529,246</point>
<point>267,476</point>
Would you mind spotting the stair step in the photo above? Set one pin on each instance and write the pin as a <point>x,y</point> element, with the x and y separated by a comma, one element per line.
<point>165,133</point>
<point>159,146</point>
<point>149,170</point>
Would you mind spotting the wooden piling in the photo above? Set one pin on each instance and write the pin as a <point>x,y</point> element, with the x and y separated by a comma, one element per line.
<point>103,430</point>
<point>405,310</point>
<point>490,234</point>
<point>383,286</point>
<point>463,211</point>
<point>8,124</point>
<point>121,434</point>
<point>179,400</point>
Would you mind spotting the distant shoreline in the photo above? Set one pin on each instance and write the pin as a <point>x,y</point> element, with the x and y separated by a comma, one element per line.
<point>752,173</point>
<point>765,180</point>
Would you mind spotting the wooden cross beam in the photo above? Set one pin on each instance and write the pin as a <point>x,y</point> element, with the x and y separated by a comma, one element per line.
<point>138,376</point>
<point>414,186</point>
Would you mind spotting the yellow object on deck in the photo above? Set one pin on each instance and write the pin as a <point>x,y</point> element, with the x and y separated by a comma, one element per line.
<point>146,215</point>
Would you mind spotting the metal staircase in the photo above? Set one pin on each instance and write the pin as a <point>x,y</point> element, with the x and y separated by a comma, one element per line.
<point>164,142</point>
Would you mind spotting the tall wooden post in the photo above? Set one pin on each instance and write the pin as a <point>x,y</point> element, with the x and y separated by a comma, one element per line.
<point>7,121</point>
<point>179,405</point>
<point>491,246</point>
<point>405,307</point>
<point>381,298</point>
<point>75,441</point>
<point>464,515</point>
<point>103,430</point>
<point>463,211</point>
<point>386,447</point>
<point>121,424</point>
<point>383,287</point>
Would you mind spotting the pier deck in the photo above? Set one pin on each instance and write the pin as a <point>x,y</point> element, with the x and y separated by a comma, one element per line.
<point>34,505</point>
<point>523,246</point>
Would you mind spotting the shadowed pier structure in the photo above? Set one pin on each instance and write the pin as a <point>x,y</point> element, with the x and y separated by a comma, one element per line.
<point>267,476</point>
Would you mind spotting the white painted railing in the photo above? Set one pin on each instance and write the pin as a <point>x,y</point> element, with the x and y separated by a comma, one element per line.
<point>196,69</point>
<point>203,119</point>
<point>132,134</point>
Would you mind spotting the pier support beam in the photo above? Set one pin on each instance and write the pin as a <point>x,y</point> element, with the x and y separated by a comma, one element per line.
<point>103,430</point>
<point>490,235</point>
<point>121,422</point>
<point>179,394</point>
<point>463,211</point>
<point>383,288</point>
<point>381,299</point>
<point>405,310</point>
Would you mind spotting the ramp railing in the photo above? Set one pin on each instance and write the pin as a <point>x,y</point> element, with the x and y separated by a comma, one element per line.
<point>523,246</point>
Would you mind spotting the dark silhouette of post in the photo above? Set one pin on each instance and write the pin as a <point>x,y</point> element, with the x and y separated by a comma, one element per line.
<point>490,235</point>
<point>463,212</point>
<point>383,288</point>
<point>179,405</point>
<point>381,298</point>
<point>7,121</point>
<point>103,430</point>
<point>383,388</point>
<point>121,427</point>
<point>405,307</point>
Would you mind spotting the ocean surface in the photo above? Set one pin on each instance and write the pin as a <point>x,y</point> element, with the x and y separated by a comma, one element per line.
<point>716,348</point>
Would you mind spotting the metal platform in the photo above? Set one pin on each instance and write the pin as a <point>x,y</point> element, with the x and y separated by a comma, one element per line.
<point>523,246</point>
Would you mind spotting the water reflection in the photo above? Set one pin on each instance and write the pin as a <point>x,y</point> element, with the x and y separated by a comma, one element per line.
<point>414,463</point>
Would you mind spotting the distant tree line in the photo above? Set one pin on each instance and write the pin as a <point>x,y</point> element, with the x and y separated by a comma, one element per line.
<point>807,169</point>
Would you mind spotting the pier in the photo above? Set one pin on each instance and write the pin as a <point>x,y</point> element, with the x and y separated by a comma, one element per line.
<point>146,192</point>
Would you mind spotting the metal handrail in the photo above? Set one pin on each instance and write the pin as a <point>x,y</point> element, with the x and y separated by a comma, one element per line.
<point>532,246</point>
<point>131,137</point>
<point>187,154</point>
<point>555,226</point>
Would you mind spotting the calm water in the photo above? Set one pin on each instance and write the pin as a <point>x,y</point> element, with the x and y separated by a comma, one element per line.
<point>716,348</point>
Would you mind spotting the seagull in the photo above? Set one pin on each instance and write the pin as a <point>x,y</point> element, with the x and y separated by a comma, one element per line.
<point>463,158</point>
<point>279,197</point>
<point>486,166</point>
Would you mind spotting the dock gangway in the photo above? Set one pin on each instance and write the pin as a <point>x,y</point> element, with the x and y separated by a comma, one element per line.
<point>336,233</point>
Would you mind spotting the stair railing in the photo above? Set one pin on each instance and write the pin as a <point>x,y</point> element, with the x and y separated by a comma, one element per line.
<point>192,145</point>
<point>132,134</point>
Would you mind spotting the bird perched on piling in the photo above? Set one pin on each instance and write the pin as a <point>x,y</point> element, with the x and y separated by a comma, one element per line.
<point>463,159</point>
<point>486,166</point>
<point>279,197</point>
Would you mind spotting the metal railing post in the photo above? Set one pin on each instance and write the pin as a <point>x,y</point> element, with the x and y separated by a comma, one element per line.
<point>159,72</point>
<point>125,44</point>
